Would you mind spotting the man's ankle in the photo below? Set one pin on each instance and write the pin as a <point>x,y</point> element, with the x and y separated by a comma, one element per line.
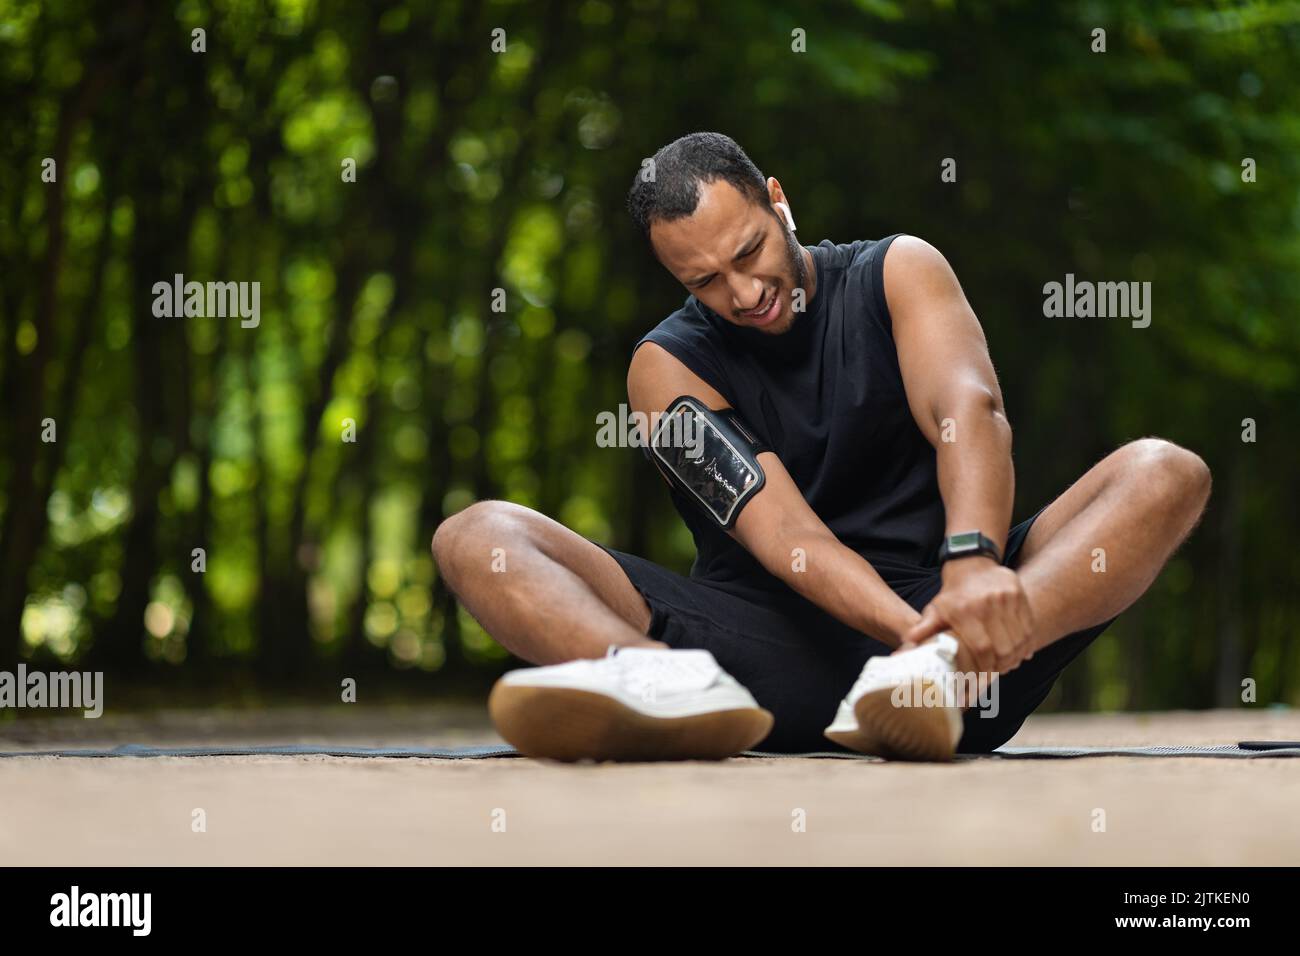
<point>647,643</point>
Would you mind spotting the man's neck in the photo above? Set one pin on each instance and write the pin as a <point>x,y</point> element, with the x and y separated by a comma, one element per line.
<point>812,272</point>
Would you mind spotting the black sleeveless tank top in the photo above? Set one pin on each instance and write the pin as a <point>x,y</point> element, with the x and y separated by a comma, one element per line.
<point>827,397</point>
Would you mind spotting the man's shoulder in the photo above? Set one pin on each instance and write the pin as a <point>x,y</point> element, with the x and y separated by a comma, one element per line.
<point>690,324</point>
<point>854,256</point>
<point>691,336</point>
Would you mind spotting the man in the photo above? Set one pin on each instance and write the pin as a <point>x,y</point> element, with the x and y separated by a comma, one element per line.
<point>841,455</point>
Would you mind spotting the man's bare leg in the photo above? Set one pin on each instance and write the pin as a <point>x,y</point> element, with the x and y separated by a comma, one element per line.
<point>1136,505</point>
<point>1132,510</point>
<point>548,595</point>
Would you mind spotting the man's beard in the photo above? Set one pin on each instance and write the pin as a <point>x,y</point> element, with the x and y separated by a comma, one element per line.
<point>798,268</point>
<point>796,275</point>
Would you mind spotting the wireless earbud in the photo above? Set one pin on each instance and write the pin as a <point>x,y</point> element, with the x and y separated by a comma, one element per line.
<point>789,219</point>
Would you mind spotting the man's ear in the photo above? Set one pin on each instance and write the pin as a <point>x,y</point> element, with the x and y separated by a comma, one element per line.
<point>776,196</point>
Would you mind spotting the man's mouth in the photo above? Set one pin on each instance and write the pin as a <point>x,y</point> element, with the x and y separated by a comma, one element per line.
<point>767,310</point>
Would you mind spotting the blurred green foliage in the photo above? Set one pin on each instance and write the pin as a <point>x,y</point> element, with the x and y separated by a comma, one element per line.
<point>478,170</point>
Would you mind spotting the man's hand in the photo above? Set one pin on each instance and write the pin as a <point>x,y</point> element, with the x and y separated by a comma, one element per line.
<point>983,604</point>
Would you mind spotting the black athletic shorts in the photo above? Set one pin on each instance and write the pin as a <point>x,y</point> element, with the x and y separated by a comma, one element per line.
<point>800,665</point>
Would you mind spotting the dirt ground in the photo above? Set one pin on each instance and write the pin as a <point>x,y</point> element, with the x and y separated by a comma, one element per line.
<point>361,811</point>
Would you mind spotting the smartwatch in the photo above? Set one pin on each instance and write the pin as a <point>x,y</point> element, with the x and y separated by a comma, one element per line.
<point>964,544</point>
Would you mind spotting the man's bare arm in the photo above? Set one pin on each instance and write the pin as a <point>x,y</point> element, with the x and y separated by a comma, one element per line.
<point>951,387</point>
<point>954,396</point>
<point>778,520</point>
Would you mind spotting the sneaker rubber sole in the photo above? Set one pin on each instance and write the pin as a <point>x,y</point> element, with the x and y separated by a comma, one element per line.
<point>900,733</point>
<point>561,723</point>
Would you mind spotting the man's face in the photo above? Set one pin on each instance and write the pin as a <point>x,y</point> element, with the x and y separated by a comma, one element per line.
<point>735,257</point>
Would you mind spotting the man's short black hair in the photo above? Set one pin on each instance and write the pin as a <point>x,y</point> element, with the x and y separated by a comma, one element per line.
<point>680,167</point>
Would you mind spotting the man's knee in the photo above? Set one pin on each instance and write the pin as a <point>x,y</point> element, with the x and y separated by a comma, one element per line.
<point>1179,478</point>
<point>468,537</point>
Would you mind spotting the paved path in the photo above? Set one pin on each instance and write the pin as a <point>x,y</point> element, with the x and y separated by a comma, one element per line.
<point>350,811</point>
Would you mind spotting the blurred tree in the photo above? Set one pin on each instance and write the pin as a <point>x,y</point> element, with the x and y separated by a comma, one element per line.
<point>382,169</point>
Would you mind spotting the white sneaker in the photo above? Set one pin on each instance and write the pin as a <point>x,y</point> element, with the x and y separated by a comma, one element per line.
<point>635,703</point>
<point>922,723</point>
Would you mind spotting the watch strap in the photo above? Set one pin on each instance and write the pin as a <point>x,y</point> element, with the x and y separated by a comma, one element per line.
<point>967,544</point>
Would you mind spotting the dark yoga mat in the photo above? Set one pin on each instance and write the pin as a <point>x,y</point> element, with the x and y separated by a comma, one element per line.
<point>1247,748</point>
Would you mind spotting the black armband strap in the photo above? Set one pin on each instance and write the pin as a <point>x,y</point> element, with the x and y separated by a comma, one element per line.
<point>709,456</point>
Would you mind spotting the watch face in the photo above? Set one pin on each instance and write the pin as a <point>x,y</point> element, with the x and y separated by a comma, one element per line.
<point>965,541</point>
